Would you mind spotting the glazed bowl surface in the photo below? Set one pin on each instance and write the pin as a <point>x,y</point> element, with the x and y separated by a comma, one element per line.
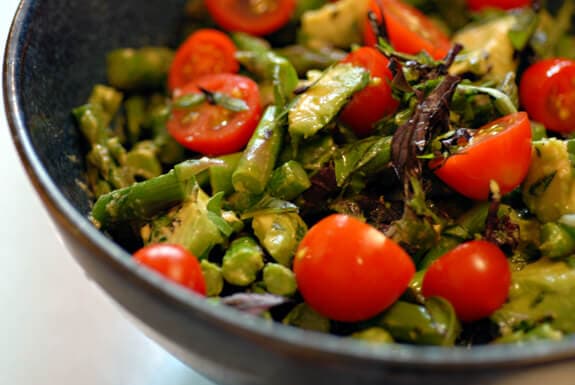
<point>55,53</point>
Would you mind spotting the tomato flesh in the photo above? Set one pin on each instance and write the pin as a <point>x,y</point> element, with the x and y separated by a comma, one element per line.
<point>475,278</point>
<point>374,102</point>
<point>547,92</point>
<point>499,151</point>
<point>409,30</point>
<point>348,270</point>
<point>175,263</point>
<point>478,5</point>
<point>258,18</point>
<point>205,52</point>
<point>211,129</point>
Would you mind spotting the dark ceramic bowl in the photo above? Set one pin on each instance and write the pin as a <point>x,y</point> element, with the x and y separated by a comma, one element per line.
<point>53,57</point>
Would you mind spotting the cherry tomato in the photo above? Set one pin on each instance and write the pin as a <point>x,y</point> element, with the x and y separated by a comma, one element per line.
<point>478,5</point>
<point>475,278</point>
<point>547,92</point>
<point>254,17</point>
<point>212,129</point>
<point>410,31</point>
<point>348,270</point>
<point>499,151</point>
<point>373,102</point>
<point>175,263</point>
<point>205,52</point>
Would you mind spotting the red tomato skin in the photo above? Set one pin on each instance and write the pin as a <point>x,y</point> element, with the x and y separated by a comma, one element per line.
<point>547,92</point>
<point>475,278</point>
<point>374,102</point>
<point>205,52</point>
<point>175,263</point>
<point>204,133</point>
<point>504,158</point>
<point>401,33</point>
<point>240,16</point>
<point>478,5</point>
<point>349,271</point>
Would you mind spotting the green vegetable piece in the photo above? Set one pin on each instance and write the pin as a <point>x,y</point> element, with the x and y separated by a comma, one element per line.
<point>542,292</point>
<point>549,188</point>
<point>316,107</point>
<point>367,156</point>
<point>221,175</point>
<point>242,262</point>
<point>312,154</point>
<point>335,24</point>
<point>288,181</point>
<point>247,42</point>
<point>139,69</point>
<point>169,150</point>
<point>108,100</point>
<point>556,241</point>
<point>146,199</point>
<point>280,234</point>
<point>213,277</point>
<point>432,324</point>
<point>142,160</point>
<point>539,332</point>
<point>304,317</point>
<point>375,335</point>
<point>135,108</point>
<point>271,68</point>
<point>279,280</point>
<point>189,225</point>
<point>538,131</point>
<point>259,158</point>
<point>305,59</point>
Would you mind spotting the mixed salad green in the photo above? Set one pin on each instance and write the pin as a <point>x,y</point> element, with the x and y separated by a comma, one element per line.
<point>387,170</point>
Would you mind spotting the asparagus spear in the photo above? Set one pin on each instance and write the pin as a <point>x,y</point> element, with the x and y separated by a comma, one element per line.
<point>258,160</point>
<point>144,200</point>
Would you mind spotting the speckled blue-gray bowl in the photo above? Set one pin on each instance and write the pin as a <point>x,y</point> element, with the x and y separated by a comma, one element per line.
<point>53,57</point>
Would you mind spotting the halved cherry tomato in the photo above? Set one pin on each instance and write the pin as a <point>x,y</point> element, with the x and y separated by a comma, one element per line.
<point>348,270</point>
<point>475,278</point>
<point>211,129</point>
<point>254,17</point>
<point>499,151</point>
<point>175,263</point>
<point>477,5</point>
<point>547,92</point>
<point>205,52</point>
<point>410,31</point>
<point>373,102</point>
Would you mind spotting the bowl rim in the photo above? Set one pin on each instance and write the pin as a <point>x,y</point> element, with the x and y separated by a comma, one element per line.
<point>316,344</point>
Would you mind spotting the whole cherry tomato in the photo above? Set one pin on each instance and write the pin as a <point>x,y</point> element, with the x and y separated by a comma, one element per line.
<point>213,129</point>
<point>205,52</point>
<point>478,5</point>
<point>547,92</point>
<point>499,151</point>
<point>253,17</point>
<point>475,278</point>
<point>348,270</point>
<point>409,30</point>
<point>175,263</point>
<point>376,100</point>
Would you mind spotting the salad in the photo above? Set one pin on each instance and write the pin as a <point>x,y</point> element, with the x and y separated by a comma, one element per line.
<point>394,171</point>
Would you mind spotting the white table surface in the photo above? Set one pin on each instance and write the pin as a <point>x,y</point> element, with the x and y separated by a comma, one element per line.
<point>56,326</point>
